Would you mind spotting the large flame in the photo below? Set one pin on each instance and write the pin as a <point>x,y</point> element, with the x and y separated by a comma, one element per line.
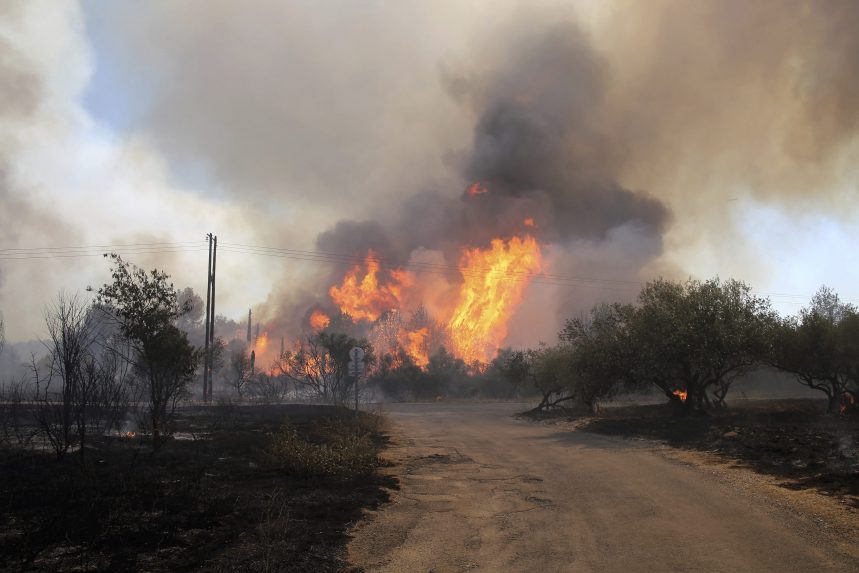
<point>261,343</point>
<point>414,342</point>
<point>366,298</point>
<point>319,320</point>
<point>494,282</point>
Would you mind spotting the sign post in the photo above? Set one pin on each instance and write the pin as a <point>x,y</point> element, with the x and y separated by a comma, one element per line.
<point>356,369</point>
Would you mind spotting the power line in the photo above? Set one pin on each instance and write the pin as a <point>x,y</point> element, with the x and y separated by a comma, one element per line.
<point>33,253</point>
<point>178,247</point>
<point>535,278</point>
<point>81,247</point>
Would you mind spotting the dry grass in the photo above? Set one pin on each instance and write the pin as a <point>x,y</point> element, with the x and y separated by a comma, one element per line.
<point>339,447</point>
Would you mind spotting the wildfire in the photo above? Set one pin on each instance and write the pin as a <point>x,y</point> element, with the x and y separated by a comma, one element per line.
<point>366,298</point>
<point>127,435</point>
<point>847,400</point>
<point>681,394</point>
<point>494,282</point>
<point>261,343</point>
<point>477,189</point>
<point>319,320</point>
<point>529,222</point>
<point>414,342</point>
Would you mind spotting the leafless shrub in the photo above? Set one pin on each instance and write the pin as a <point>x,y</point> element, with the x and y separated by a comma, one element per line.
<point>17,426</point>
<point>272,530</point>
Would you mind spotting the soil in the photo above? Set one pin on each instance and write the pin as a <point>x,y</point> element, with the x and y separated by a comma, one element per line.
<point>483,491</point>
<point>793,440</point>
<point>208,500</point>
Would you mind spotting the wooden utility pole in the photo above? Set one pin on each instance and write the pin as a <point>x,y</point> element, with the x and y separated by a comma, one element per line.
<point>208,314</point>
<point>210,358</point>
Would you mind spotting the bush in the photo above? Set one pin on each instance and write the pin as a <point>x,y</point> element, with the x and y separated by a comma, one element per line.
<point>346,451</point>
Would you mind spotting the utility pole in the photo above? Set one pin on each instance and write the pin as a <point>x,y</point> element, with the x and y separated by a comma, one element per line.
<point>249,326</point>
<point>210,358</point>
<point>208,314</point>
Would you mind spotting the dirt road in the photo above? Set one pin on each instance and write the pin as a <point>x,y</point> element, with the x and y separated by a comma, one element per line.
<point>482,491</point>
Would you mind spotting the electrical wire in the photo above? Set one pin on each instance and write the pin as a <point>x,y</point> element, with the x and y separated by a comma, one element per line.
<point>178,247</point>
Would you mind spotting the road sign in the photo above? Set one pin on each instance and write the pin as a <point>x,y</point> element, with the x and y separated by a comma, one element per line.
<point>356,368</point>
<point>356,364</point>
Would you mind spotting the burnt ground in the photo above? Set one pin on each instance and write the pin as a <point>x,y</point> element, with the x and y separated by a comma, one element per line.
<point>211,501</point>
<point>790,439</point>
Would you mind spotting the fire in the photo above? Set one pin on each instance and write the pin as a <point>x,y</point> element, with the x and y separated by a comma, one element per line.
<point>529,222</point>
<point>681,394</point>
<point>127,435</point>
<point>414,342</point>
<point>477,189</point>
<point>319,320</point>
<point>261,343</point>
<point>494,282</point>
<point>847,400</point>
<point>365,298</point>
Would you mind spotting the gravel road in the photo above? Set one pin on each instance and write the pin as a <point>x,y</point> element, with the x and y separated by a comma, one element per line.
<point>482,491</point>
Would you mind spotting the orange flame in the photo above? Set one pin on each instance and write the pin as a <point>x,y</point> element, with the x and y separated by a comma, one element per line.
<point>319,320</point>
<point>261,343</point>
<point>477,189</point>
<point>681,394</point>
<point>529,222</point>
<point>366,298</point>
<point>414,342</point>
<point>494,282</point>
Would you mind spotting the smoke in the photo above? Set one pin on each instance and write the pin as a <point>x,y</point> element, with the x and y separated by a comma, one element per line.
<point>635,135</point>
<point>537,152</point>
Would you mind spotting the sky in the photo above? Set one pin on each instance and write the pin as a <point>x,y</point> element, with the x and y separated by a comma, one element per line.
<point>684,139</point>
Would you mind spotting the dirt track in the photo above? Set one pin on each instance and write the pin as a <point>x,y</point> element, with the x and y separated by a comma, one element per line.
<point>483,491</point>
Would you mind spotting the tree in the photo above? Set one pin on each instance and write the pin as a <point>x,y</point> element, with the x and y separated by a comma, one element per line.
<point>695,338</point>
<point>444,372</point>
<point>146,308</point>
<point>601,359</point>
<point>397,375</point>
<point>819,347</point>
<point>2,334</point>
<point>547,368</point>
<point>85,388</point>
<point>240,373</point>
<point>319,365</point>
<point>63,399</point>
<point>848,343</point>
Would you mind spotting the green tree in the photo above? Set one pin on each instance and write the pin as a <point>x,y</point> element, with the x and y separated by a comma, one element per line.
<point>546,368</point>
<point>819,347</point>
<point>146,308</point>
<point>694,339</point>
<point>602,359</point>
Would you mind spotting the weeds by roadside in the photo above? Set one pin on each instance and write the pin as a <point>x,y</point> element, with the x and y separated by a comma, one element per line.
<point>337,447</point>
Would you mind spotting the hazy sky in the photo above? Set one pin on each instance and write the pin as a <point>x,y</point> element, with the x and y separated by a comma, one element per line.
<point>697,138</point>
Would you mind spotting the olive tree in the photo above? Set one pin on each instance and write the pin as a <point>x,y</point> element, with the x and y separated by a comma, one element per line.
<point>694,339</point>
<point>819,347</point>
<point>602,358</point>
<point>546,368</point>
